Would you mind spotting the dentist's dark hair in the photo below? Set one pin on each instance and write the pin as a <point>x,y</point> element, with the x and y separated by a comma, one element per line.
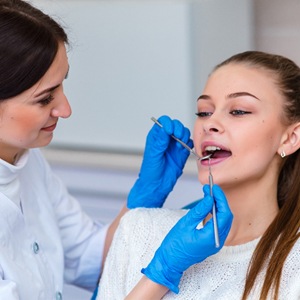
<point>29,41</point>
<point>282,234</point>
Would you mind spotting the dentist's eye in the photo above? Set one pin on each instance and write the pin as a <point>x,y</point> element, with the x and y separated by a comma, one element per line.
<point>239,112</point>
<point>46,100</point>
<point>203,114</point>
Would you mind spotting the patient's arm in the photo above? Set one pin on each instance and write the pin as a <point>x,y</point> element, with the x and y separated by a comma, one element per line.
<point>111,231</point>
<point>146,289</point>
<point>139,234</point>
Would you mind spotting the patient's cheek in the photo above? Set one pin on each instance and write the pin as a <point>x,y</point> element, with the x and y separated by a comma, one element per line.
<point>203,177</point>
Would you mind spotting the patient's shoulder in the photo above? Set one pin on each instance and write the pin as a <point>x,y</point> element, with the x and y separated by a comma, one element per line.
<point>154,217</point>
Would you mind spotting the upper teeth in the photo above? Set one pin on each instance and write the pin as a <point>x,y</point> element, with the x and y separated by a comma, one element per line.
<point>212,148</point>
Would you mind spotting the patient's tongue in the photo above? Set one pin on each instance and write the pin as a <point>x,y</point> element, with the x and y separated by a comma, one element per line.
<point>221,154</point>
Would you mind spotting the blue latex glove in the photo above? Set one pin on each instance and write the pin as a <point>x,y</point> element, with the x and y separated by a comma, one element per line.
<point>162,165</point>
<point>185,245</point>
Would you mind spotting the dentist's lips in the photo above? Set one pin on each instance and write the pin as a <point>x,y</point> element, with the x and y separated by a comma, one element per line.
<point>49,128</point>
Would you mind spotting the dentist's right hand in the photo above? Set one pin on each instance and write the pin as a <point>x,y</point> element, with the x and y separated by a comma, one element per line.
<point>163,162</point>
<point>185,245</point>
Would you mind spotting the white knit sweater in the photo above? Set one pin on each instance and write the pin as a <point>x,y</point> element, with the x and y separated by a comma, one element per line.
<point>221,276</point>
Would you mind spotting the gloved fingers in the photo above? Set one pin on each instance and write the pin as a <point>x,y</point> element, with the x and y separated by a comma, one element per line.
<point>169,127</point>
<point>219,198</point>
<point>199,212</point>
<point>183,133</point>
<point>190,143</point>
<point>207,232</point>
<point>206,190</point>
<point>167,124</point>
<point>176,128</point>
<point>224,214</point>
<point>180,131</point>
<point>157,140</point>
<point>173,150</point>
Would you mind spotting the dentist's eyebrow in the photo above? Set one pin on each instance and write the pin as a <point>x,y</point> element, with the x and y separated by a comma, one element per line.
<point>51,89</point>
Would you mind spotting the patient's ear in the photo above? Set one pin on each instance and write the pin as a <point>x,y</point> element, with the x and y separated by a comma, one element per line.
<point>290,140</point>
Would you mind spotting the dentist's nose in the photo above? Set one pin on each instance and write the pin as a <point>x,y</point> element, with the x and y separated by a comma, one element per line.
<point>62,108</point>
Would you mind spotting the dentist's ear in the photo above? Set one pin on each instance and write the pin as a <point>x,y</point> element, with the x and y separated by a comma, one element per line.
<point>290,141</point>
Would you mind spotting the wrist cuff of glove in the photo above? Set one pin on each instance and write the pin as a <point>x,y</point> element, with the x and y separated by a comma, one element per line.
<point>164,277</point>
<point>147,195</point>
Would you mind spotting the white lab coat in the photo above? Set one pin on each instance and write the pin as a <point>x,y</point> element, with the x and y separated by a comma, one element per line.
<point>45,238</point>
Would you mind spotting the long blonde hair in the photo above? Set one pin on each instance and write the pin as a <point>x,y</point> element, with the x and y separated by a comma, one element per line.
<point>282,234</point>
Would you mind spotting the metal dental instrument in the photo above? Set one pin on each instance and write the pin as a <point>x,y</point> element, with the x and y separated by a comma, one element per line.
<point>210,178</point>
<point>183,144</point>
<point>214,217</point>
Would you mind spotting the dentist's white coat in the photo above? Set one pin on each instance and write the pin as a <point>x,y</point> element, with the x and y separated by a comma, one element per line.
<point>45,238</point>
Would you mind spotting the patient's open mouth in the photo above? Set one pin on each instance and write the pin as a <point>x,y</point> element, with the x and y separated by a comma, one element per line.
<point>216,152</point>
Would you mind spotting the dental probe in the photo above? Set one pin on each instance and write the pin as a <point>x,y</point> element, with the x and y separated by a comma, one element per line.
<point>214,217</point>
<point>210,178</point>
<point>183,144</point>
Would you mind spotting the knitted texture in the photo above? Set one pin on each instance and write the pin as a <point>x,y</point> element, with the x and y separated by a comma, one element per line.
<point>221,276</point>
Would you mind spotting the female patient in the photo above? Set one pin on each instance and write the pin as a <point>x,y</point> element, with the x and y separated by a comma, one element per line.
<point>249,114</point>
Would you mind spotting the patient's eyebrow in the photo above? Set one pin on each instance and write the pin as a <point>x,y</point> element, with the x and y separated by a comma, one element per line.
<point>241,94</point>
<point>205,97</point>
<point>230,96</point>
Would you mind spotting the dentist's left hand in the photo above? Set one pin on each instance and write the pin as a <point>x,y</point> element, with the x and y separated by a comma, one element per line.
<point>186,245</point>
<point>162,165</point>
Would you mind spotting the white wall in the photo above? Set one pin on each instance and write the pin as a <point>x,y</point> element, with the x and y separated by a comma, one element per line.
<point>277,26</point>
<point>131,60</point>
